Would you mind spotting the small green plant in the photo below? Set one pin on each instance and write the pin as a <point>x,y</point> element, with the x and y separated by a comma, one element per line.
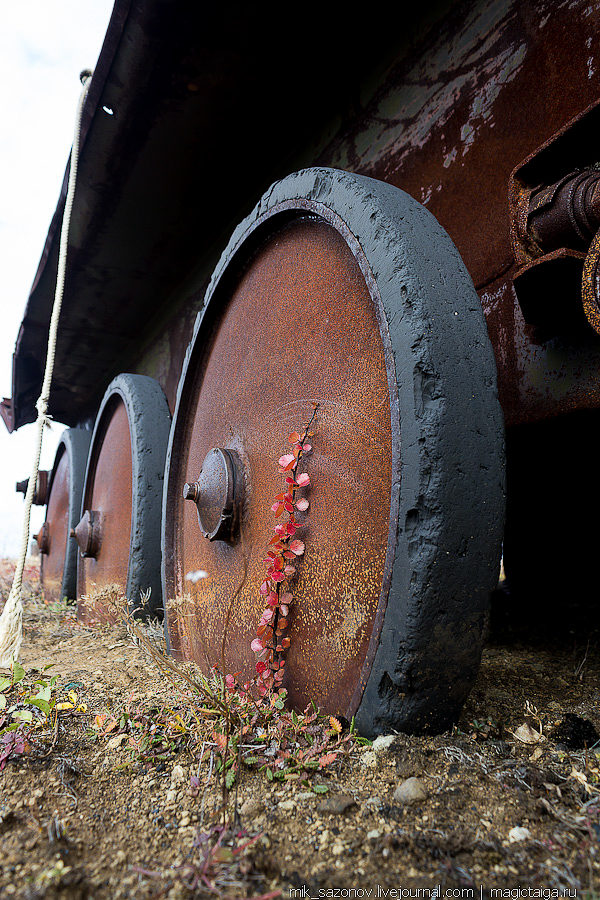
<point>25,707</point>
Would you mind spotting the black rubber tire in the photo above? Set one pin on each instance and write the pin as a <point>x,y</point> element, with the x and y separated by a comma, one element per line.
<point>448,490</point>
<point>149,424</point>
<point>75,442</point>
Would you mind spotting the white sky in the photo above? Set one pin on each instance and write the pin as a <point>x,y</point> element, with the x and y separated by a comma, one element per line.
<point>44,44</point>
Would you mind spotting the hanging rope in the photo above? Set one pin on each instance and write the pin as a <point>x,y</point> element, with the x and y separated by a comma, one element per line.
<point>11,620</point>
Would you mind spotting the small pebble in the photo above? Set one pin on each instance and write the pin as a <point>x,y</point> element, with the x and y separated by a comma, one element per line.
<point>518,834</point>
<point>177,775</point>
<point>410,791</point>
<point>251,808</point>
<point>383,742</point>
<point>287,804</point>
<point>336,805</point>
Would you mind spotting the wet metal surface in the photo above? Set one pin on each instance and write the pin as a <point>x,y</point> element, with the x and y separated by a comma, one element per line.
<point>300,326</point>
<point>108,493</point>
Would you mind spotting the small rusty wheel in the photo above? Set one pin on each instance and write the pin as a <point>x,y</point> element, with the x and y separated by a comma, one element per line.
<point>119,531</point>
<point>341,290</point>
<point>65,486</point>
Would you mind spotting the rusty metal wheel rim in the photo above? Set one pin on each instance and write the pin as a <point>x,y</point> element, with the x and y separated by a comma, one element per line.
<point>140,400</point>
<point>71,455</point>
<point>422,283</point>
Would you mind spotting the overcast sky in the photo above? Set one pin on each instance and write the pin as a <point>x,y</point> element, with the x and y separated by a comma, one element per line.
<point>44,44</point>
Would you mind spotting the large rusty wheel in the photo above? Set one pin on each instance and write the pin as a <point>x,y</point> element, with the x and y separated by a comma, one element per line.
<point>119,531</point>
<point>341,290</point>
<point>65,486</point>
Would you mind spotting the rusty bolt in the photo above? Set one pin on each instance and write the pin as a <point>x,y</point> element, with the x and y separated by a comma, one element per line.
<point>87,534</point>
<point>43,539</point>
<point>40,495</point>
<point>191,491</point>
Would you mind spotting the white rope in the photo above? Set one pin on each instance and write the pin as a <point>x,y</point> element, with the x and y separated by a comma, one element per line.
<point>11,620</point>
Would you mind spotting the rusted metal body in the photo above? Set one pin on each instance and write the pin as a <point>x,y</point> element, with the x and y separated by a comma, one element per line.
<point>446,115</point>
<point>484,112</point>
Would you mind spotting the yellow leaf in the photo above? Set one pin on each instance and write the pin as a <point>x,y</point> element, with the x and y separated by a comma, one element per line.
<point>65,705</point>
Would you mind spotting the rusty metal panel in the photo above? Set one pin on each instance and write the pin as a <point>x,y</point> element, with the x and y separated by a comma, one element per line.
<point>448,126</point>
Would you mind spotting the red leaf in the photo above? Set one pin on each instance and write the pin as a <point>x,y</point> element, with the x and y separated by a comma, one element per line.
<point>286,459</point>
<point>278,576</point>
<point>303,480</point>
<point>264,588</point>
<point>290,570</point>
<point>302,504</point>
<point>288,507</point>
<point>286,598</point>
<point>294,437</point>
<point>284,609</point>
<point>257,645</point>
<point>297,547</point>
<point>285,643</point>
<point>220,740</point>
<point>327,759</point>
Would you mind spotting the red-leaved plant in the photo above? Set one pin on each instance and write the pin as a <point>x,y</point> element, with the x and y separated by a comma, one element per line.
<point>284,550</point>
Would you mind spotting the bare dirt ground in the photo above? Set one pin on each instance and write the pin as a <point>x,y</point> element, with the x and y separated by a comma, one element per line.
<point>106,798</point>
